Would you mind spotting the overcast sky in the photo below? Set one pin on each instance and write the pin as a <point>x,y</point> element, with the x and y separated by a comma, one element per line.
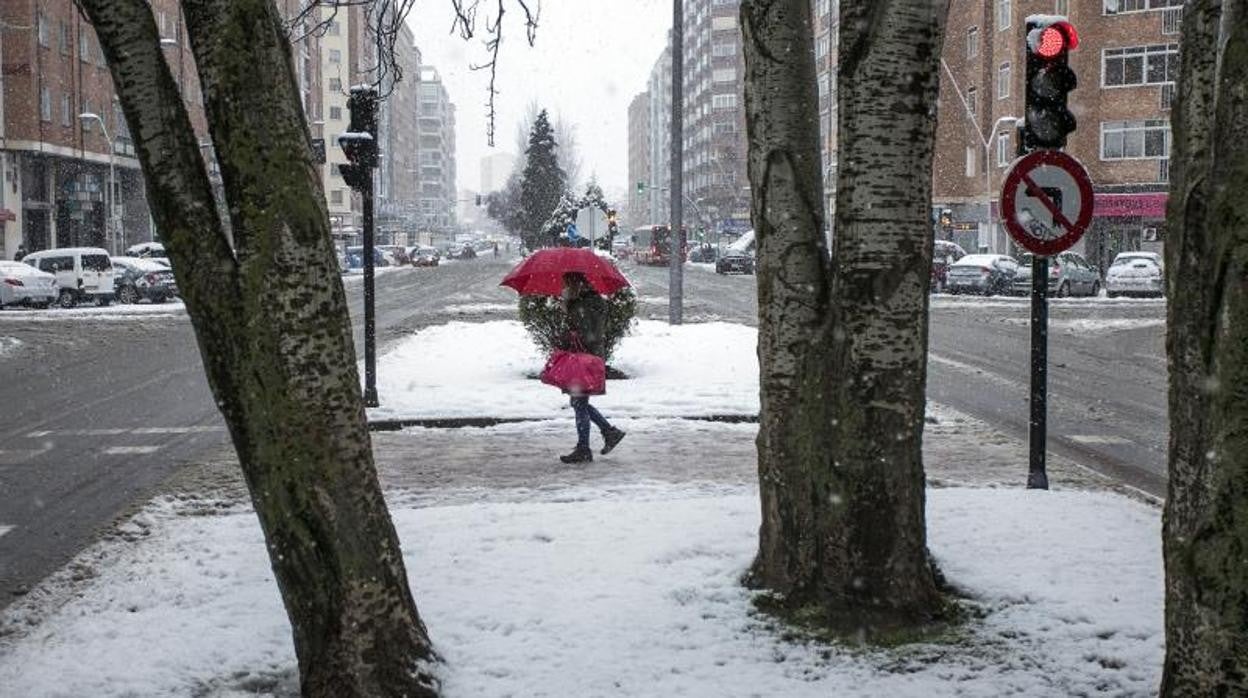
<point>590,58</point>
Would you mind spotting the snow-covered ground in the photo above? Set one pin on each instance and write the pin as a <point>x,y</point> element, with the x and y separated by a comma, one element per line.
<point>9,346</point>
<point>950,301</point>
<point>483,369</point>
<point>1092,325</point>
<point>624,592</point>
<point>115,311</point>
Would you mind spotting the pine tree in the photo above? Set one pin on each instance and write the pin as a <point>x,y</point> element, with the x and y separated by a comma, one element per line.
<point>543,182</point>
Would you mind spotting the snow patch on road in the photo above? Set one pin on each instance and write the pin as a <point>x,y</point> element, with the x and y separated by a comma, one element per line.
<point>621,593</point>
<point>9,346</point>
<point>115,312</point>
<point>480,308</point>
<point>482,369</point>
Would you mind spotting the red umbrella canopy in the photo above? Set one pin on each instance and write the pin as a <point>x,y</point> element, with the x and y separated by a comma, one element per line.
<point>541,273</point>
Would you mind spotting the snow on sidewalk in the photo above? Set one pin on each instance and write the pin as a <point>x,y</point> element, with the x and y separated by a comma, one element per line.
<point>481,369</point>
<point>622,592</point>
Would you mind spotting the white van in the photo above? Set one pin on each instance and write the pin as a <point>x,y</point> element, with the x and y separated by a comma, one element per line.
<point>83,273</point>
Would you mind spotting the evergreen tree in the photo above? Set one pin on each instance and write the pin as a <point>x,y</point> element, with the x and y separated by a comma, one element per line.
<point>542,184</point>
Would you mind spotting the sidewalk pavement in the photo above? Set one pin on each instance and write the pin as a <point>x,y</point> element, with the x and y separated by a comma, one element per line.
<point>958,451</point>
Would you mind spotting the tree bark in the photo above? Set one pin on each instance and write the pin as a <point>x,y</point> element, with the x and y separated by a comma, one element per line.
<point>1206,518</point>
<point>842,337</point>
<point>271,320</point>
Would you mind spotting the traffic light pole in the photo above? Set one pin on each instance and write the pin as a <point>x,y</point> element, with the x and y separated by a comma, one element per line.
<point>370,316</point>
<point>1037,477</point>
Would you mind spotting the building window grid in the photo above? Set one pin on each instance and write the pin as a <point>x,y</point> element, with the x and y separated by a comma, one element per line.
<point>1003,81</point>
<point>1003,149</point>
<point>1133,66</point>
<point>1122,7</point>
<point>45,104</point>
<point>972,42</point>
<point>1147,139</point>
<point>1004,12</point>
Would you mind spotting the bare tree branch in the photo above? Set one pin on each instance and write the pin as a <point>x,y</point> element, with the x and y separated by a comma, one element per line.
<point>465,24</point>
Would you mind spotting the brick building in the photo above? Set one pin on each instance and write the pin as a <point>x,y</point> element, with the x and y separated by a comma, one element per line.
<point>54,160</point>
<point>1126,63</point>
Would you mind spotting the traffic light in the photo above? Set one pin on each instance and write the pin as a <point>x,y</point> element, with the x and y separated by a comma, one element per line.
<point>359,144</point>
<point>641,187</point>
<point>1048,121</point>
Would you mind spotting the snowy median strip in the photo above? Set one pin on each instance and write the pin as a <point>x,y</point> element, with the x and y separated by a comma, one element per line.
<point>483,370</point>
<point>618,592</point>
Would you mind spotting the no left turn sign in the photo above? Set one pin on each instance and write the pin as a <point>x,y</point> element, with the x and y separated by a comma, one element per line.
<point>1046,202</point>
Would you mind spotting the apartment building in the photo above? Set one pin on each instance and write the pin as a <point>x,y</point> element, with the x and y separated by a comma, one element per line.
<point>336,79</point>
<point>825,23</point>
<point>64,139</point>
<point>436,128</point>
<point>398,173</point>
<point>495,170</point>
<point>659,121</point>
<point>714,118</point>
<point>639,166</point>
<point>1126,63</point>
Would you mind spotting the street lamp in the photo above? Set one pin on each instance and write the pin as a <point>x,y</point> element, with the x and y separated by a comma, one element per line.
<point>110,226</point>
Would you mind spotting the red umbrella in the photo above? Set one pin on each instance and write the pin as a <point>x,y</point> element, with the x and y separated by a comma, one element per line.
<point>541,273</point>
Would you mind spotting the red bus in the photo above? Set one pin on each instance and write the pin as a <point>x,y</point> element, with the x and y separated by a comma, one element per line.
<point>652,245</point>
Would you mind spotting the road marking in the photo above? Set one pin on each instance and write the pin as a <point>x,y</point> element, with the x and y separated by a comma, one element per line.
<point>20,455</point>
<point>121,431</point>
<point>176,430</point>
<point>5,529</point>
<point>1098,440</point>
<point>130,450</point>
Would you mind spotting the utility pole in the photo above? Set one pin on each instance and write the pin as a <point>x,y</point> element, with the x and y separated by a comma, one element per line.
<point>676,228</point>
<point>360,147</point>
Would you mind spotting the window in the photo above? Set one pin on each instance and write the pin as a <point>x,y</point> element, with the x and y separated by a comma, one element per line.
<point>87,124</point>
<point>1135,140</point>
<point>972,157</point>
<point>63,42</point>
<point>335,84</point>
<point>1061,7</point>
<point>725,75</point>
<point>822,44</point>
<point>84,47</point>
<point>42,23</point>
<point>1139,65</point>
<point>724,22</point>
<point>335,113</point>
<point>335,56</point>
<point>335,196</point>
<point>1003,81</point>
<point>66,118</point>
<point>45,104</point>
<point>1117,7</point>
<point>724,101</point>
<point>335,29</point>
<point>1003,14</point>
<point>1003,149</point>
<point>972,101</point>
<point>726,48</point>
<point>972,42</point>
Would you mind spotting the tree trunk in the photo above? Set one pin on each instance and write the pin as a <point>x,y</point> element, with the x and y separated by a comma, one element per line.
<point>272,324</point>
<point>842,338</point>
<point>1206,518</point>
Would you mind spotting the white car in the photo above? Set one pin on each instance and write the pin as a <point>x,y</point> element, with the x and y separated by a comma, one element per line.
<point>154,250</point>
<point>82,273</point>
<point>1136,274</point>
<point>22,284</point>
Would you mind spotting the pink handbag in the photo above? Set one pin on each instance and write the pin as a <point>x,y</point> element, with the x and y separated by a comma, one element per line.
<point>576,373</point>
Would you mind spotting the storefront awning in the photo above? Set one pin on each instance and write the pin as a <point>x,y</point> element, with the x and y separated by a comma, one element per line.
<point>1145,205</point>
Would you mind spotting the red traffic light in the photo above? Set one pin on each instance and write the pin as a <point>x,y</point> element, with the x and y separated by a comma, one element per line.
<point>1051,41</point>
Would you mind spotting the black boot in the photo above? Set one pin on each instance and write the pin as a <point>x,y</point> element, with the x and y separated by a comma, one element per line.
<point>612,437</point>
<point>581,454</point>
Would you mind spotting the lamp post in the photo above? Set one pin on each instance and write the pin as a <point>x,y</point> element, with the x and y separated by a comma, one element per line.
<point>110,224</point>
<point>985,140</point>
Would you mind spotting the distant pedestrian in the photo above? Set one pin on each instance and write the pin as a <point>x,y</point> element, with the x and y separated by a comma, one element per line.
<point>587,316</point>
<point>495,249</point>
<point>21,253</point>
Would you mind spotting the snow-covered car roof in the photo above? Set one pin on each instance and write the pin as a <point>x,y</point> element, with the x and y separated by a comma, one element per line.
<point>142,263</point>
<point>21,270</point>
<point>974,260</point>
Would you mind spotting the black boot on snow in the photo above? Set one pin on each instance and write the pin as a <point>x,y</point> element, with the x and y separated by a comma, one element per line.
<point>612,437</point>
<point>582,454</point>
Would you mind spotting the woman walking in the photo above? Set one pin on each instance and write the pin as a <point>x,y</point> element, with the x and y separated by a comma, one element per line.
<point>587,315</point>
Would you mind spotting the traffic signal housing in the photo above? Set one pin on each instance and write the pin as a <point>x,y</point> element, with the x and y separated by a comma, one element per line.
<point>359,143</point>
<point>1048,119</point>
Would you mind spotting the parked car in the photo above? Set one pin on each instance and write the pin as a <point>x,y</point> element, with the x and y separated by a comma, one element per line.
<point>704,254</point>
<point>397,254</point>
<point>154,250</point>
<point>22,284</point>
<point>426,257</point>
<point>1136,273</point>
<point>985,274</point>
<point>82,273</point>
<point>944,254</point>
<point>1069,275</point>
<point>136,279</point>
<point>355,257</point>
<point>735,261</point>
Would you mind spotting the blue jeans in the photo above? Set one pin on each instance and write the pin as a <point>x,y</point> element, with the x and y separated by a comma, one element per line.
<point>586,413</point>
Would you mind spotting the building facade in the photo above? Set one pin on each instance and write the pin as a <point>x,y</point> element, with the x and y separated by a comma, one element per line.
<point>1126,64</point>
<point>825,22</point>
<point>495,170</point>
<point>639,170</point>
<point>398,172</point>
<point>436,123</point>
<point>658,189</point>
<point>714,118</point>
<point>336,79</point>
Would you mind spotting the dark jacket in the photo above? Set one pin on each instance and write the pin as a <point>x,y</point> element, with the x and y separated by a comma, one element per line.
<point>587,317</point>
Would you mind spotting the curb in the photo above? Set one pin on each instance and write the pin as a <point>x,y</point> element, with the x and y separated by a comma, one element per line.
<point>483,422</point>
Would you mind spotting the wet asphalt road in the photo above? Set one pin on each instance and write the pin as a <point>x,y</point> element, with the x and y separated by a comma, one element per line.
<point>98,411</point>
